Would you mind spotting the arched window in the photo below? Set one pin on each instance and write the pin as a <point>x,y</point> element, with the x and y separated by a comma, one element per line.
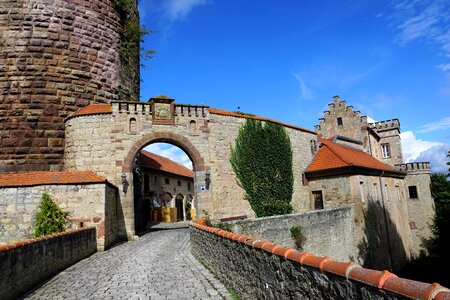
<point>133,125</point>
<point>193,126</point>
<point>313,145</point>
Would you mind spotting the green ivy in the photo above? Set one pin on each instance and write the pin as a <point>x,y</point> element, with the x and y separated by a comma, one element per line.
<point>50,218</point>
<point>262,161</point>
<point>131,52</point>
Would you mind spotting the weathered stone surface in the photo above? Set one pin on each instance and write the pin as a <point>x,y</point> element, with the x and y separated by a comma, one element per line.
<point>328,232</point>
<point>60,56</point>
<point>88,205</point>
<point>256,274</point>
<point>27,265</point>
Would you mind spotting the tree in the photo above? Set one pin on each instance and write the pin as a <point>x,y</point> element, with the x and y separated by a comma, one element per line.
<point>262,161</point>
<point>50,218</point>
<point>440,191</point>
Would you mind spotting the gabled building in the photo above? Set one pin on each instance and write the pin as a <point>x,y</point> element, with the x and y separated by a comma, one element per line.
<point>361,163</point>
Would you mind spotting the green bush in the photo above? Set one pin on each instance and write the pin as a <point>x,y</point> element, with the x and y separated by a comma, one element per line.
<point>262,161</point>
<point>50,218</point>
<point>298,236</point>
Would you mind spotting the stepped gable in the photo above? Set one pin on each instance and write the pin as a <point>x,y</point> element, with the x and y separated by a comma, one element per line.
<point>160,163</point>
<point>44,178</point>
<point>93,109</point>
<point>335,156</point>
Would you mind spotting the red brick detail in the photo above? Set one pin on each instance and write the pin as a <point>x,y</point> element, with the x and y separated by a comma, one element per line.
<point>101,229</point>
<point>165,137</point>
<point>279,250</point>
<point>337,267</point>
<point>443,296</point>
<point>413,289</point>
<point>316,261</point>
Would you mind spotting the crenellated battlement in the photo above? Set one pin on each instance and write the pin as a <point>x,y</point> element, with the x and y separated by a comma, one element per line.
<point>143,108</point>
<point>413,167</point>
<point>191,110</point>
<point>386,125</point>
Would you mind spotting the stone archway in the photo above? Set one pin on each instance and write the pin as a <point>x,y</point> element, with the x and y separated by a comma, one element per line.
<point>127,173</point>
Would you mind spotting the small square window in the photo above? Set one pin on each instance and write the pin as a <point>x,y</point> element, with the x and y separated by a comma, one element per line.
<point>412,190</point>
<point>179,183</point>
<point>189,186</point>
<point>167,180</point>
<point>339,121</point>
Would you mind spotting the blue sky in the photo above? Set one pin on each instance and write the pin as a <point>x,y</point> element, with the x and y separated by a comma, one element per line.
<point>287,59</point>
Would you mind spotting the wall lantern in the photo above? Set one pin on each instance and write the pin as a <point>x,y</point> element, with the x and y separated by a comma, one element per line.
<point>124,182</point>
<point>207,179</point>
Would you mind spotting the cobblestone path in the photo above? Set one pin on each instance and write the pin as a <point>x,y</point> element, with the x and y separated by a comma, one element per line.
<point>158,266</point>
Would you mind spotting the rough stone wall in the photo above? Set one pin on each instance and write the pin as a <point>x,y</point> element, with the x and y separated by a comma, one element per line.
<point>328,232</point>
<point>255,271</point>
<point>389,132</point>
<point>352,123</point>
<point>421,210</point>
<point>90,204</point>
<point>370,228</point>
<point>90,141</point>
<point>27,264</point>
<point>55,57</point>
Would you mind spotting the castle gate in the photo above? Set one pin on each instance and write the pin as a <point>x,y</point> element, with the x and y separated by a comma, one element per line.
<point>106,138</point>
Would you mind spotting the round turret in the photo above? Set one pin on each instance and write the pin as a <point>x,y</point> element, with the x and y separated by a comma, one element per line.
<point>56,57</point>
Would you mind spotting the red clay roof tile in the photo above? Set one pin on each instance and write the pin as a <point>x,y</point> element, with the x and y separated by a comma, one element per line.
<point>92,109</point>
<point>333,156</point>
<point>160,163</point>
<point>233,114</point>
<point>43,178</point>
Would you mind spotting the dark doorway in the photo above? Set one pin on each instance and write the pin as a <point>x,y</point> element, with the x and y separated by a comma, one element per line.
<point>179,206</point>
<point>318,199</point>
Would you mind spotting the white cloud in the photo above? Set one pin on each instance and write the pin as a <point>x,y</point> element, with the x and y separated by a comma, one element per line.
<point>423,20</point>
<point>305,91</point>
<point>444,67</point>
<point>438,125</point>
<point>171,152</point>
<point>370,119</point>
<point>179,9</point>
<point>415,149</point>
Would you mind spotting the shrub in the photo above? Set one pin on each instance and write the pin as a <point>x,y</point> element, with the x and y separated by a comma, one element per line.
<point>262,161</point>
<point>298,236</point>
<point>50,218</point>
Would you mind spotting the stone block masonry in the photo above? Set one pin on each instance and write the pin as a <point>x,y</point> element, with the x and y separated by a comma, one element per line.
<point>55,57</point>
<point>327,232</point>
<point>256,269</point>
<point>26,263</point>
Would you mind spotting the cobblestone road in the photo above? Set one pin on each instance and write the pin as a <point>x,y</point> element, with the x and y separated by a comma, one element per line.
<point>158,266</point>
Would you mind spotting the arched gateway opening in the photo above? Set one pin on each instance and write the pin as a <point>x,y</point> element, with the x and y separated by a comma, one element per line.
<point>158,195</point>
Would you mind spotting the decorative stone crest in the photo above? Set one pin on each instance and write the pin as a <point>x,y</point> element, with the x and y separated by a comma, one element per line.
<point>163,110</point>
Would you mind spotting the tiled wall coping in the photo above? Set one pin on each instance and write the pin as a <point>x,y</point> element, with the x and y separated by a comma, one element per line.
<point>384,280</point>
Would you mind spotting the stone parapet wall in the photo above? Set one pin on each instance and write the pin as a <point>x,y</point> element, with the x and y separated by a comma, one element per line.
<point>256,269</point>
<point>55,57</point>
<point>26,263</point>
<point>87,204</point>
<point>328,232</point>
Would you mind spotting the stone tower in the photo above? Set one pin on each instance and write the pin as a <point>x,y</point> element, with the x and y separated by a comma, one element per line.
<point>55,57</point>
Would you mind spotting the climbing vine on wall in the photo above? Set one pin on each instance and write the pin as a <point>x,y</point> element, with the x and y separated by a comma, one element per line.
<point>262,161</point>
<point>131,52</point>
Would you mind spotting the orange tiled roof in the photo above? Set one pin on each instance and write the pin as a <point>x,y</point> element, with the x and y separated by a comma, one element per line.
<point>333,156</point>
<point>92,109</point>
<point>43,178</point>
<point>233,114</point>
<point>164,164</point>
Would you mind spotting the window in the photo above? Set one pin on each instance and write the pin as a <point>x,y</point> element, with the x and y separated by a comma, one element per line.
<point>167,181</point>
<point>412,190</point>
<point>192,126</point>
<point>375,192</point>
<point>318,199</point>
<point>313,145</point>
<point>361,191</point>
<point>155,179</point>
<point>339,121</point>
<point>189,186</point>
<point>179,183</point>
<point>385,150</point>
